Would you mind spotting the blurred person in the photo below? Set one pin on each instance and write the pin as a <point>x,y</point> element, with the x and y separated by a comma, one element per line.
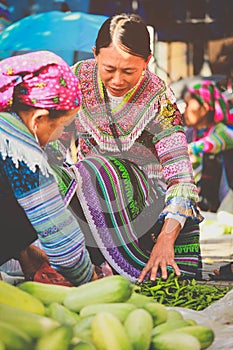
<point>65,7</point>
<point>224,273</point>
<point>19,9</point>
<point>209,124</point>
<point>5,20</point>
<point>210,132</point>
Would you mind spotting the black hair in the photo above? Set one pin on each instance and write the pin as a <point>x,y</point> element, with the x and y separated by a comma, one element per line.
<point>129,32</point>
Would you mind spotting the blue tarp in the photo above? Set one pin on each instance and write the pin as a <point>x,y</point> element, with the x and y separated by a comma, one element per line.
<point>65,34</point>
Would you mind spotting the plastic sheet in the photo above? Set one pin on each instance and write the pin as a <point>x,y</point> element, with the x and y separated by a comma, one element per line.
<point>218,316</point>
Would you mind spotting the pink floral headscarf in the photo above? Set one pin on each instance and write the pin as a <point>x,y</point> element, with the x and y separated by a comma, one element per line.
<point>44,80</point>
<point>208,92</point>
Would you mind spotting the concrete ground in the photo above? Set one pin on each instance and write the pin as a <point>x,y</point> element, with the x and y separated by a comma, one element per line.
<point>216,247</point>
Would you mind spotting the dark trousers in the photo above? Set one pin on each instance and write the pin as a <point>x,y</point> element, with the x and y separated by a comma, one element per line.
<point>17,233</point>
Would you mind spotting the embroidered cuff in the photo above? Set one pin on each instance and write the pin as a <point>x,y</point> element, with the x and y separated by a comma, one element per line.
<point>179,218</point>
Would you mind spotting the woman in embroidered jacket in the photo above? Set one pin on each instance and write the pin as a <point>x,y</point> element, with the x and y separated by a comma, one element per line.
<point>129,113</point>
<point>39,97</point>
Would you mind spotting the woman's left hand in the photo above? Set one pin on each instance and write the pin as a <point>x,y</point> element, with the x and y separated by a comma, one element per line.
<point>162,254</point>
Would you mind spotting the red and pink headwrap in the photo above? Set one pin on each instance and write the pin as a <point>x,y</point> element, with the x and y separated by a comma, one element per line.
<point>208,92</point>
<point>44,80</point>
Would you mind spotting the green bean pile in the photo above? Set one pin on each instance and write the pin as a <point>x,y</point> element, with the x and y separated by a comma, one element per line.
<point>181,292</point>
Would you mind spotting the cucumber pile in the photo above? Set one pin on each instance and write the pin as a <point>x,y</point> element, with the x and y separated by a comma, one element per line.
<point>106,314</point>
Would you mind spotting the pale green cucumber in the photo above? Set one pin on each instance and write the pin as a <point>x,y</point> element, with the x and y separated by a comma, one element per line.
<point>2,345</point>
<point>82,325</point>
<point>13,296</point>
<point>111,289</point>
<point>175,341</point>
<point>204,334</point>
<point>108,333</point>
<point>191,322</point>
<point>158,312</point>
<point>57,339</point>
<point>85,335</point>
<point>33,324</point>
<point>138,325</point>
<point>84,345</point>
<point>120,310</point>
<point>63,315</point>
<point>13,338</point>
<point>173,315</point>
<point>169,326</point>
<point>139,300</point>
<point>46,293</point>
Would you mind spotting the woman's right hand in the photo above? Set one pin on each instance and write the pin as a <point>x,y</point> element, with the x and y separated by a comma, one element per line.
<point>162,254</point>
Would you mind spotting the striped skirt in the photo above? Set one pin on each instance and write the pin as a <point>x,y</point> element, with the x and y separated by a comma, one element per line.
<point>118,212</point>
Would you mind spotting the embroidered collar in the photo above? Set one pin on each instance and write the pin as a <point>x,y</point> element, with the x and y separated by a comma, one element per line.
<point>136,110</point>
<point>18,143</point>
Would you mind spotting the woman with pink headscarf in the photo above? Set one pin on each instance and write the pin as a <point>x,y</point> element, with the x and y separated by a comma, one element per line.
<point>209,119</point>
<point>39,97</point>
<point>210,135</point>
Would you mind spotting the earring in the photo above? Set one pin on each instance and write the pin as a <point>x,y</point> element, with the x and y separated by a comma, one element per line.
<point>36,137</point>
<point>35,134</point>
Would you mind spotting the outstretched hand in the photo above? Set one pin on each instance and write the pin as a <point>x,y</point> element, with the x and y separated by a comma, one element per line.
<point>162,254</point>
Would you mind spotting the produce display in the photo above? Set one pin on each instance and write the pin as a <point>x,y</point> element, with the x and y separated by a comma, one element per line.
<point>183,293</point>
<point>106,314</point>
